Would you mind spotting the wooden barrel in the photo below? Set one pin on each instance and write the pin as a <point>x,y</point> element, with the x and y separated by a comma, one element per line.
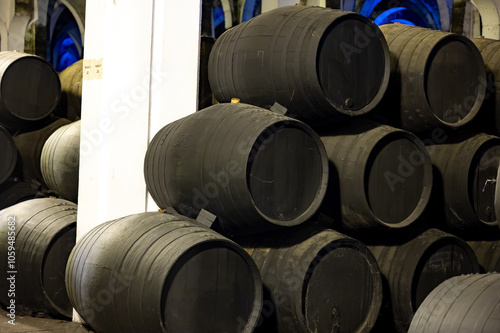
<point>60,161</point>
<point>380,177</point>
<point>488,119</point>
<point>9,154</point>
<point>155,272</point>
<point>321,64</point>
<point>469,303</point>
<point>45,232</point>
<point>30,89</point>
<point>436,78</point>
<point>465,181</point>
<point>316,281</point>
<point>13,192</point>
<point>487,254</point>
<point>254,169</point>
<point>30,144</point>
<point>70,103</point>
<point>205,96</point>
<point>414,268</point>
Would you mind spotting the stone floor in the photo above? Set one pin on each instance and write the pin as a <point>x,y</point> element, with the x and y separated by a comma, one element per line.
<point>24,324</point>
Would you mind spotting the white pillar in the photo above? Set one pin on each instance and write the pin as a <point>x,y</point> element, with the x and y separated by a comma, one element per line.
<point>17,32</point>
<point>148,77</point>
<point>489,17</point>
<point>7,10</point>
<point>319,3</point>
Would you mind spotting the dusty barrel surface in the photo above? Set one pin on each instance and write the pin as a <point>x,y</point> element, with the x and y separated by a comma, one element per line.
<point>8,152</point>
<point>44,231</point>
<point>437,78</point>
<point>487,254</point>
<point>155,272</point>
<point>380,177</point>
<point>466,174</point>
<point>305,270</point>
<point>468,303</point>
<point>488,119</point>
<point>414,268</point>
<point>321,64</point>
<point>30,144</point>
<point>254,169</point>
<point>60,161</point>
<point>29,89</point>
<point>70,103</point>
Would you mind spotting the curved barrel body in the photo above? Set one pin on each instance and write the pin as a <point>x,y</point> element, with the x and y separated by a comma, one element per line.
<point>155,272</point>
<point>437,78</point>
<point>39,235</point>
<point>254,169</point>
<point>321,64</point>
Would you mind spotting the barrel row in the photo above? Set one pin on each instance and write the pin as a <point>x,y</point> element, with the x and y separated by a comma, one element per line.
<point>350,68</point>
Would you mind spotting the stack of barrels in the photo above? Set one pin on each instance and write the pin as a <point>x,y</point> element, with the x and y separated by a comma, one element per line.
<point>39,158</point>
<point>341,169</point>
<point>344,184</point>
<point>31,110</point>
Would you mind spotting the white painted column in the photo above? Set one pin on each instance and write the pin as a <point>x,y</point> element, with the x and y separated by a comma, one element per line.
<point>489,17</point>
<point>17,32</point>
<point>319,3</point>
<point>149,77</point>
<point>7,10</point>
<point>268,5</point>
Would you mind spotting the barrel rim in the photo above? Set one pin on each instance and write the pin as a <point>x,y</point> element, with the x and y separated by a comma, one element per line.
<point>428,179</point>
<point>489,142</point>
<point>55,238</point>
<point>11,168</point>
<point>255,313</point>
<point>348,242</point>
<point>446,38</point>
<point>321,191</point>
<point>441,241</point>
<point>56,101</point>
<point>387,72</point>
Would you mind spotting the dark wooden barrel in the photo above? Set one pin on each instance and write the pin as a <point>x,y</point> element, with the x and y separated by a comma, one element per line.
<point>436,78</point>
<point>316,281</point>
<point>412,269</point>
<point>487,254</point>
<point>70,103</point>
<point>488,118</point>
<point>30,89</point>
<point>30,144</point>
<point>8,152</point>
<point>319,63</point>
<point>13,192</point>
<point>60,161</point>
<point>465,182</point>
<point>155,272</point>
<point>468,303</point>
<point>45,232</point>
<point>380,176</point>
<point>205,96</point>
<point>254,169</point>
